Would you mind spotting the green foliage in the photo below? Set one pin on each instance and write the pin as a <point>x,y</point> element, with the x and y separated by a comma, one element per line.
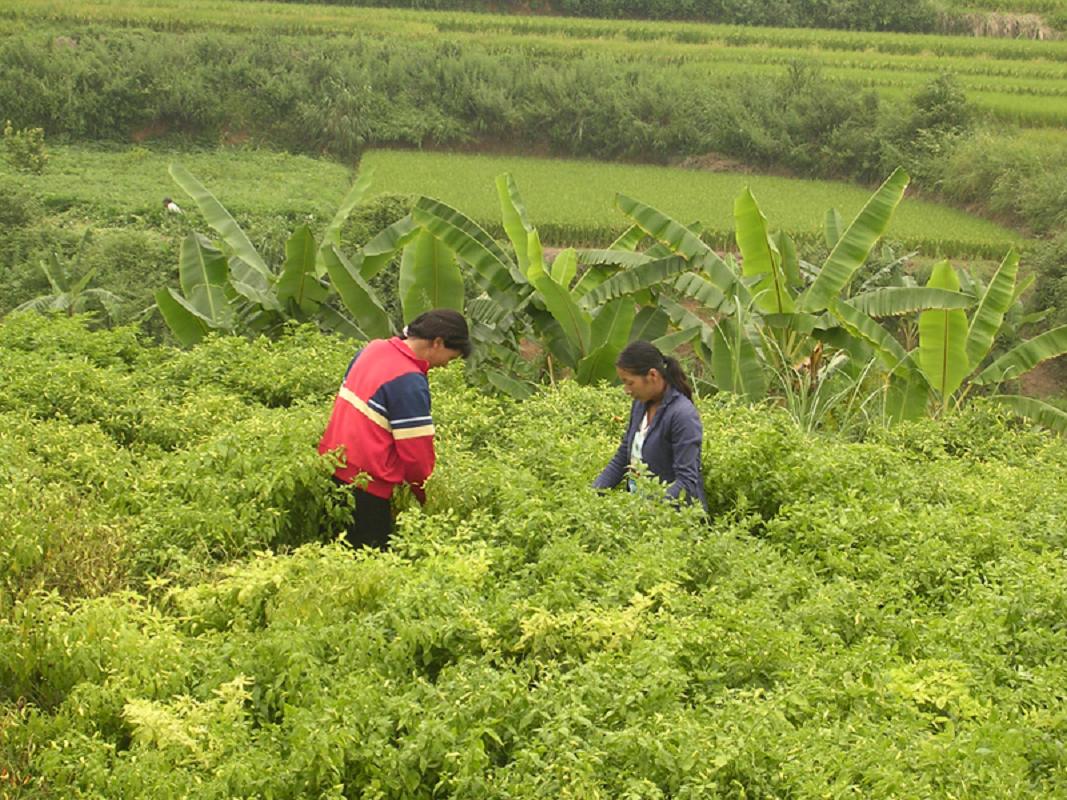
<point>850,610</point>
<point>780,98</point>
<point>71,293</point>
<point>157,458</point>
<point>1050,266</point>
<point>25,149</point>
<point>233,288</point>
<point>938,118</point>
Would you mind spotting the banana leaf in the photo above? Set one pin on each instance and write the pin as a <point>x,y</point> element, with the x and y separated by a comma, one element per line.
<point>790,260</point>
<point>551,334</point>
<point>565,267</point>
<point>298,281</point>
<point>219,218</point>
<point>832,227</point>
<point>592,278</point>
<point>489,322</point>
<point>989,316</point>
<point>1053,418</point>
<point>513,214</point>
<point>1026,356</point>
<point>202,277</point>
<point>333,320</point>
<point>943,338</point>
<point>610,332</point>
<point>188,327</point>
<point>679,239</point>
<point>629,239</point>
<point>252,285</point>
<point>494,271</point>
<point>429,277</point>
<point>802,324</point>
<point>854,245</point>
<point>617,258</point>
<point>574,322</point>
<point>515,389</point>
<point>649,324</point>
<point>907,397</point>
<point>682,319</point>
<point>672,341</point>
<point>380,250</point>
<point>332,234</point>
<point>57,276</point>
<point>896,359</point>
<point>894,301</point>
<point>636,279</point>
<point>357,296</point>
<point>735,364</point>
<point>702,290</point>
<point>760,256</point>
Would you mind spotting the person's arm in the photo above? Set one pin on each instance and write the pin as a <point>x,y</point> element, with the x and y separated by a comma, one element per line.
<point>615,471</point>
<point>687,435</point>
<point>408,402</point>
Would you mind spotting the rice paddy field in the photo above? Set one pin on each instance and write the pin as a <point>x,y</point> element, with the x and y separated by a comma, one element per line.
<point>573,201</point>
<point>1022,82</point>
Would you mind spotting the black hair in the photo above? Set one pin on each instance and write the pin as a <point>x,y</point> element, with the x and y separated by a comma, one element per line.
<point>640,357</point>
<point>445,323</point>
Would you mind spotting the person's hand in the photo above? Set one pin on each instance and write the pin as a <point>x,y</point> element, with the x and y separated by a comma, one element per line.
<point>420,494</point>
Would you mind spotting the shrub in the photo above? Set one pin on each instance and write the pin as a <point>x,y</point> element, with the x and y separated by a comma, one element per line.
<point>25,148</point>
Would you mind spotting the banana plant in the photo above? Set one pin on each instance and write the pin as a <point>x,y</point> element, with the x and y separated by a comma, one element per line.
<point>767,294</point>
<point>586,322</point>
<point>232,288</point>
<point>69,295</point>
<point>951,359</point>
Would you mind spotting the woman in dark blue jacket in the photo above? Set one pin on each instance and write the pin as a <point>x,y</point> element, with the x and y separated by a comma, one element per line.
<point>665,434</point>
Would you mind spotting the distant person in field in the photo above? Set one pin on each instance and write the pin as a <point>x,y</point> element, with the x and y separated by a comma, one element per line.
<point>664,435</point>
<point>381,428</point>
<point>171,207</point>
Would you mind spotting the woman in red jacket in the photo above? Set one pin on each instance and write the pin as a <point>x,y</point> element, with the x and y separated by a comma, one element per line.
<point>381,428</point>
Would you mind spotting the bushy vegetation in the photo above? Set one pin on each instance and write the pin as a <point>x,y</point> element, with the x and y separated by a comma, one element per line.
<point>587,92</point>
<point>877,618</point>
<point>904,15</point>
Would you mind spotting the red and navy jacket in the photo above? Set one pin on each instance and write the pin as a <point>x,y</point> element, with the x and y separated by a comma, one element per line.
<point>381,421</point>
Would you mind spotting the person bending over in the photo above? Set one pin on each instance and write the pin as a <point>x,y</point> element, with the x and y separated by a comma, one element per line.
<point>381,426</point>
<point>664,435</point>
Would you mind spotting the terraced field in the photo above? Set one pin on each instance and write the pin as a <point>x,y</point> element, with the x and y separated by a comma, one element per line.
<point>1022,82</point>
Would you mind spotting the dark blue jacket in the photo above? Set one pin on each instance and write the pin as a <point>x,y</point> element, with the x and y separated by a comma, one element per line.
<point>671,450</point>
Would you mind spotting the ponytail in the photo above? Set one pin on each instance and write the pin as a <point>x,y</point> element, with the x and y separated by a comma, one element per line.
<point>676,377</point>
<point>640,357</point>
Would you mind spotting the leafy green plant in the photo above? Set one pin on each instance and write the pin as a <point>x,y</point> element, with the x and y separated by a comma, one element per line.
<point>25,148</point>
<point>951,358</point>
<point>70,294</point>
<point>235,289</point>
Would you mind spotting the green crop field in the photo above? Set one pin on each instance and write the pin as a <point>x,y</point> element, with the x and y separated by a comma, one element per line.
<point>572,202</point>
<point>878,619</point>
<point>109,184</point>
<point>1023,82</point>
<point>575,199</point>
<point>872,604</point>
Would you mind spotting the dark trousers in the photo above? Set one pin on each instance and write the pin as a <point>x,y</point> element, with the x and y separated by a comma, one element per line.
<point>372,521</point>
